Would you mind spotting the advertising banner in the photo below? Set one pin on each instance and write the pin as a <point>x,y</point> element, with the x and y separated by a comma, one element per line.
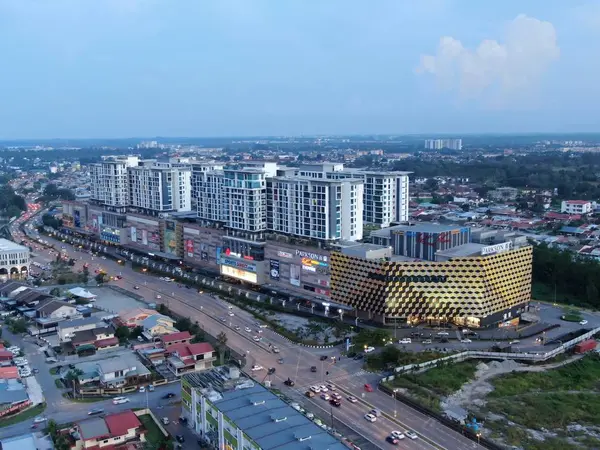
<point>133,234</point>
<point>77,218</point>
<point>238,264</point>
<point>170,238</point>
<point>111,234</point>
<point>204,256</point>
<point>144,237</point>
<point>95,222</point>
<point>294,275</point>
<point>218,254</point>
<point>274,265</point>
<point>189,247</point>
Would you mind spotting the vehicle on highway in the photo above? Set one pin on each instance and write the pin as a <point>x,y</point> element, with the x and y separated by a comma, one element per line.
<point>466,341</point>
<point>313,368</point>
<point>397,434</point>
<point>371,418</point>
<point>375,412</point>
<point>223,319</point>
<point>120,400</point>
<point>323,358</point>
<point>237,328</point>
<point>169,395</point>
<point>289,382</point>
<point>392,440</point>
<point>405,341</point>
<point>256,339</point>
<point>325,396</point>
<point>426,341</point>
<point>280,361</point>
<point>335,402</point>
<point>411,435</point>
<point>369,349</point>
<point>247,330</point>
<point>256,367</point>
<point>275,349</point>
<point>583,322</point>
<point>309,394</point>
<point>150,388</point>
<point>330,386</point>
<point>336,396</point>
<point>95,411</point>
<point>230,314</point>
<point>368,387</point>
<point>40,419</point>
<point>352,399</point>
<point>443,333</point>
<point>136,287</point>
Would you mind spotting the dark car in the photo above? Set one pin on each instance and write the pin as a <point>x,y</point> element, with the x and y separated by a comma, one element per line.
<point>322,358</point>
<point>169,395</point>
<point>313,369</point>
<point>289,382</point>
<point>335,402</point>
<point>95,411</point>
<point>392,440</point>
<point>359,356</point>
<point>180,438</point>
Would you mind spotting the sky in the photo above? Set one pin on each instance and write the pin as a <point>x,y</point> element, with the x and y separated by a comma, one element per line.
<point>127,68</point>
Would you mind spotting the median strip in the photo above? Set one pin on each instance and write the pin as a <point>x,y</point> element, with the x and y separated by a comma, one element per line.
<point>392,419</point>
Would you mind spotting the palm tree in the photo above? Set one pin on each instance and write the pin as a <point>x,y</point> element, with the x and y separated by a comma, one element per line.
<point>72,377</point>
<point>222,345</point>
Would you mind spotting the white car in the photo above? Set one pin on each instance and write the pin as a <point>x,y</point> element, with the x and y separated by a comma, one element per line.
<point>231,314</point>
<point>142,389</point>
<point>40,419</point>
<point>443,333</point>
<point>411,435</point>
<point>256,339</point>
<point>352,399</point>
<point>330,386</point>
<point>369,349</point>
<point>466,341</point>
<point>323,388</point>
<point>397,434</point>
<point>247,330</point>
<point>325,396</point>
<point>516,341</point>
<point>405,341</point>
<point>315,389</point>
<point>583,322</point>
<point>24,373</point>
<point>310,415</point>
<point>119,400</point>
<point>256,368</point>
<point>371,418</point>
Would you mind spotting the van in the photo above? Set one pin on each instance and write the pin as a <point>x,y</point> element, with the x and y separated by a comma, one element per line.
<point>375,412</point>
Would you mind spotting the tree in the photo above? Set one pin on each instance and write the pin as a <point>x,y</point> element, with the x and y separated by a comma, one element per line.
<point>72,378</point>
<point>592,293</point>
<point>18,326</point>
<point>137,331</point>
<point>222,346</point>
<point>465,207</point>
<point>123,333</point>
<point>85,275</point>
<point>99,278</point>
<point>55,292</point>
<point>183,324</point>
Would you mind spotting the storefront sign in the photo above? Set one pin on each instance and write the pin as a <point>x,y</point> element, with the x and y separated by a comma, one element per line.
<point>189,247</point>
<point>498,248</point>
<point>239,274</point>
<point>284,254</point>
<point>238,264</point>
<point>310,255</point>
<point>274,266</point>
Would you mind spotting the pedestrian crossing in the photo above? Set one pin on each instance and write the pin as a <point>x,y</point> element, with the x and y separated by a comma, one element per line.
<point>345,376</point>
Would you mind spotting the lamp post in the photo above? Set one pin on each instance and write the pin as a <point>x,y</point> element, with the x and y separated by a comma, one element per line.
<point>395,403</point>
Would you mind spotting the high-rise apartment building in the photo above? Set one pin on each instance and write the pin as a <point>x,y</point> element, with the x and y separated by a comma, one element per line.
<point>110,182</point>
<point>159,187</point>
<point>322,209</point>
<point>438,144</point>
<point>207,185</point>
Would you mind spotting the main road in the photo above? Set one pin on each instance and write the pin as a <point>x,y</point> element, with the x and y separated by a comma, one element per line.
<point>215,315</point>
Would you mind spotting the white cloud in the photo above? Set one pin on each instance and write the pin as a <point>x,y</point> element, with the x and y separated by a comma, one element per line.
<point>509,68</point>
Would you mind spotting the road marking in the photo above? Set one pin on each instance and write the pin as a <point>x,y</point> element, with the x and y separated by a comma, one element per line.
<point>395,420</point>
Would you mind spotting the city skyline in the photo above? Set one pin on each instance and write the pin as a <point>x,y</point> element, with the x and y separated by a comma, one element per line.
<point>112,69</point>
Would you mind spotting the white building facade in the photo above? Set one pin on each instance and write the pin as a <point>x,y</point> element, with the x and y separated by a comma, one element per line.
<point>110,181</point>
<point>14,260</point>
<point>577,206</point>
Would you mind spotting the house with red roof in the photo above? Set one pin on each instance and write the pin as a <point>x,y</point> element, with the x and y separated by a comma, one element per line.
<point>6,356</point>
<point>9,373</point>
<point>181,337</point>
<point>185,357</point>
<point>108,432</point>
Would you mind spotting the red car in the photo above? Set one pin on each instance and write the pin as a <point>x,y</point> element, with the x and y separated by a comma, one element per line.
<point>368,388</point>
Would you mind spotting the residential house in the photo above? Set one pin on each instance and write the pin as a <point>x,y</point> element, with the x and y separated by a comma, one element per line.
<point>157,325</point>
<point>6,356</point>
<point>577,206</point>
<point>13,396</point>
<point>185,358</point>
<point>55,309</point>
<point>134,317</point>
<point>9,373</point>
<point>67,329</point>
<point>181,337</point>
<point>108,432</point>
<point>120,371</point>
<point>94,339</point>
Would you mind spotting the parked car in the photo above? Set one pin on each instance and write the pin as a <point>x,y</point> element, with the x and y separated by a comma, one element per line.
<point>369,349</point>
<point>405,341</point>
<point>256,368</point>
<point>180,438</point>
<point>583,322</point>
<point>426,341</point>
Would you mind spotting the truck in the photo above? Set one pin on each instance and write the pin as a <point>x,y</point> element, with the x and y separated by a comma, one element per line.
<point>585,346</point>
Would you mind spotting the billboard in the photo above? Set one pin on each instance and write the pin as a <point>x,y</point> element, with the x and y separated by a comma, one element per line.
<point>144,237</point>
<point>133,234</point>
<point>77,218</point>
<point>170,238</point>
<point>274,266</point>
<point>294,275</point>
<point>218,254</point>
<point>204,256</point>
<point>239,274</point>
<point>95,223</point>
<point>189,247</point>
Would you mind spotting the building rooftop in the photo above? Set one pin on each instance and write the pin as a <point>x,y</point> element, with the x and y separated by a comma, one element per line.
<point>93,428</point>
<point>10,246</point>
<point>470,249</point>
<point>264,417</point>
<point>419,228</point>
<point>179,336</point>
<point>119,424</point>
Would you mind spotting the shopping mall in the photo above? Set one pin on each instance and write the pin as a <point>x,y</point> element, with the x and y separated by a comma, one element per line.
<point>476,284</point>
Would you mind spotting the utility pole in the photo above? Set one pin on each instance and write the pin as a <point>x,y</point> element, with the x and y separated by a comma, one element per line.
<point>332,424</point>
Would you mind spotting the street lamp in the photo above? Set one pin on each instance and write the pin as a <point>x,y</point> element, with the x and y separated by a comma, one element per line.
<point>396,402</point>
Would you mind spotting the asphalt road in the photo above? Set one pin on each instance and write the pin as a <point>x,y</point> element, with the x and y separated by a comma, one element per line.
<point>347,373</point>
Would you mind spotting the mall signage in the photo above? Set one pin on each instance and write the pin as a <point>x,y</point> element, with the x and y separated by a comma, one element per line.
<point>310,255</point>
<point>238,264</point>
<point>284,254</point>
<point>498,248</point>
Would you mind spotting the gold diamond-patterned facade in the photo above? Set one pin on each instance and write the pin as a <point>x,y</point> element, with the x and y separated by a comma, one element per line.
<point>461,288</point>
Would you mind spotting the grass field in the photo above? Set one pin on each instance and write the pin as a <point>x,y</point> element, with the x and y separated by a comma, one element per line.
<point>429,387</point>
<point>25,415</point>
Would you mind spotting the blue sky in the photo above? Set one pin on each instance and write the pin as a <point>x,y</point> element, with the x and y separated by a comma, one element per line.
<point>122,68</point>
